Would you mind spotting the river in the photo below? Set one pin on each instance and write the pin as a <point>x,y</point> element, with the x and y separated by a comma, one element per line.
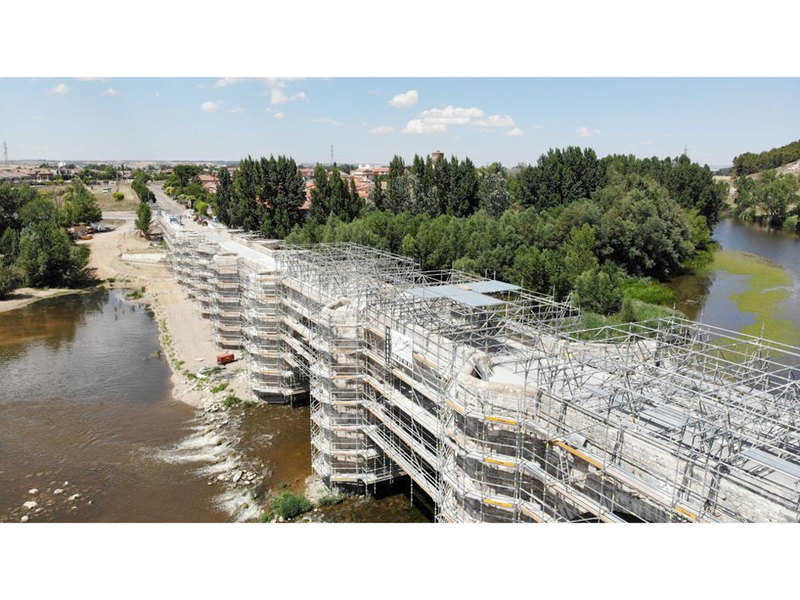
<point>86,409</point>
<point>752,285</point>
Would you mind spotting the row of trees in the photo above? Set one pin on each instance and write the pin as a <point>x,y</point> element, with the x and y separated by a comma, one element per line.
<point>265,195</point>
<point>558,178</point>
<point>139,185</point>
<point>771,196</point>
<point>630,227</point>
<point>35,249</point>
<point>749,162</point>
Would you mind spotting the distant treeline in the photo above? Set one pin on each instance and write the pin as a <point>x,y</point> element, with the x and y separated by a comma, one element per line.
<point>570,224</point>
<point>749,163</point>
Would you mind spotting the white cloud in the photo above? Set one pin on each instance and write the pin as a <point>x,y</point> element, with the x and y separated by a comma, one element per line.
<point>405,100</point>
<point>327,121</point>
<point>268,109</point>
<point>59,89</point>
<point>209,106</point>
<point>157,94</point>
<point>226,81</point>
<point>515,132</point>
<point>381,129</point>
<point>586,132</point>
<point>110,92</point>
<point>278,97</point>
<point>494,121</point>
<point>423,126</point>
<point>278,115</point>
<point>236,109</point>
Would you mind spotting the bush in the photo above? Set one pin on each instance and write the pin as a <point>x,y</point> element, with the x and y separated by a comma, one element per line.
<point>118,196</point>
<point>218,388</point>
<point>790,224</point>
<point>647,290</point>
<point>598,291</point>
<point>288,505</point>
<point>10,280</point>
<point>331,499</point>
<point>231,401</point>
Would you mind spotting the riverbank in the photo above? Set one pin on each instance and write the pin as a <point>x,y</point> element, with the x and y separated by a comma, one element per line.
<point>185,336</point>
<point>25,296</point>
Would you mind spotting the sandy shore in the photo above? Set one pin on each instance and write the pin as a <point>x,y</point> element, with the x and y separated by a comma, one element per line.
<point>182,327</point>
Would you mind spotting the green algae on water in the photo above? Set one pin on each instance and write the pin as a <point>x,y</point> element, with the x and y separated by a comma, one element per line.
<point>767,288</point>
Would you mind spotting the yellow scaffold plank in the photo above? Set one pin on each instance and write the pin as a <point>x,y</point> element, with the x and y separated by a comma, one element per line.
<point>504,420</point>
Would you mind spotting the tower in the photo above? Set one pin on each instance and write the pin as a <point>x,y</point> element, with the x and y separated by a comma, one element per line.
<point>5,153</point>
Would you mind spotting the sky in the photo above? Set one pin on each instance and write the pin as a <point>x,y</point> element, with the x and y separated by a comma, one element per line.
<point>369,120</point>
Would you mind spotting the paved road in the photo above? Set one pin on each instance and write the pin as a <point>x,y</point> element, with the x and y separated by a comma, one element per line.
<point>164,202</point>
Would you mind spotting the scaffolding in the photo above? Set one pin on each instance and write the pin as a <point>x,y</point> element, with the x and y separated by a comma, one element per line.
<point>494,402</point>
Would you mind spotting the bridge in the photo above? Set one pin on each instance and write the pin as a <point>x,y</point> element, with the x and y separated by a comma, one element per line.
<point>491,398</point>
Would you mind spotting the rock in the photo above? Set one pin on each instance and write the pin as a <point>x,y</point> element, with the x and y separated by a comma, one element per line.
<point>89,502</point>
<point>74,497</point>
<point>210,483</point>
<point>30,504</point>
<point>66,483</point>
<point>24,519</point>
<point>58,491</point>
<point>221,477</point>
<point>33,491</point>
<point>238,476</point>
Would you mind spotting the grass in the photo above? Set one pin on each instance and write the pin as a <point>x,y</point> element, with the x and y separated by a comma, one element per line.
<point>218,388</point>
<point>649,291</point>
<point>231,401</point>
<point>767,288</point>
<point>632,311</point>
<point>331,499</point>
<point>288,505</point>
<point>134,295</point>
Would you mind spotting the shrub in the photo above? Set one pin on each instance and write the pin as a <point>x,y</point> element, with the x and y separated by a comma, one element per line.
<point>331,499</point>
<point>10,279</point>
<point>790,224</point>
<point>231,401</point>
<point>647,290</point>
<point>118,196</point>
<point>218,388</point>
<point>598,291</point>
<point>288,505</point>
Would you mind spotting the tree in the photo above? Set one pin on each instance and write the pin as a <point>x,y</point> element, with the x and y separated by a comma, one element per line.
<point>493,194</point>
<point>598,291</point>
<point>10,280</point>
<point>642,228</point>
<point>222,200</point>
<point>143,219</point>
<point>80,205</point>
<point>47,256</point>
<point>579,253</point>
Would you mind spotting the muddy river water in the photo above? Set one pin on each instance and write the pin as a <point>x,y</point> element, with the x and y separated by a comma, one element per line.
<point>88,424</point>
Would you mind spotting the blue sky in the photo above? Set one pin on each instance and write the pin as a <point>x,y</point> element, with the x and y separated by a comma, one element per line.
<point>371,119</point>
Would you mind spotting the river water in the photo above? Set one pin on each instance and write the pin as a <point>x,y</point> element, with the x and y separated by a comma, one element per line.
<point>86,408</point>
<point>751,286</point>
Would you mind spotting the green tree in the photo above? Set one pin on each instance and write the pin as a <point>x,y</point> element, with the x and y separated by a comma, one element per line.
<point>493,194</point>
<point>47,257</point>
<point>598,291</point>
<point>579,252</point>
<point>143,219</point>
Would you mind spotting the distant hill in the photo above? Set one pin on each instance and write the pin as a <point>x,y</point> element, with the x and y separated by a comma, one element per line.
<point>748,163</point>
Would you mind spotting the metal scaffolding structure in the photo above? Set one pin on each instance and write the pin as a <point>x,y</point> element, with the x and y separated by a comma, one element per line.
<point>494,402</point>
